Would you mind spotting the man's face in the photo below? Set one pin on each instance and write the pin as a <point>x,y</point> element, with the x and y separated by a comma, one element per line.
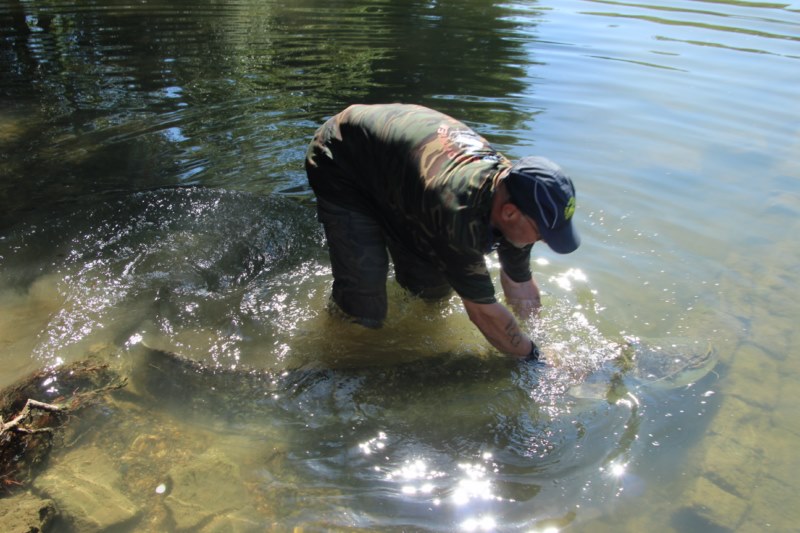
<point>520,229</point>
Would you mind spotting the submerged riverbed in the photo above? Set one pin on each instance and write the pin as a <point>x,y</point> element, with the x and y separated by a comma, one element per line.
<point>153,201</point>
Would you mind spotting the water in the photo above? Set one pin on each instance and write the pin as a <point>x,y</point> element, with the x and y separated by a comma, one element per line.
<point>153,195</point>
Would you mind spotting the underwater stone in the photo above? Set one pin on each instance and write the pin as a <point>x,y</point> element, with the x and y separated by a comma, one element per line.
<point>242,521</point>
<point>772,494</point>
<point>755,382</point>
<point>25,513</point>
<point>732,466</point>
<point>716,506</point>
<point>84,485</point>
<point>190,501</point>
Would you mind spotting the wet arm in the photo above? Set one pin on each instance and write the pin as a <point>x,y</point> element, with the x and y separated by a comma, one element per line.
<point>499,327</point>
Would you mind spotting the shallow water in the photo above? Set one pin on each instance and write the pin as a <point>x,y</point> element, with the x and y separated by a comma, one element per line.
<point>153,195</point>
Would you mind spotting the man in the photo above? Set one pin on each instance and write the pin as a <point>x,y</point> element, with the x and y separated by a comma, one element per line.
<point>439,197</point>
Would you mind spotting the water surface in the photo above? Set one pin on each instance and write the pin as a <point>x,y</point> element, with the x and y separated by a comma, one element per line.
<point>153,195</point>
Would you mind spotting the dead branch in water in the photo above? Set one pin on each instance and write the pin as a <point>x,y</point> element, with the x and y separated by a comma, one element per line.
<point>76,401</point>
<point>28,435</point>
<point>15,424</point>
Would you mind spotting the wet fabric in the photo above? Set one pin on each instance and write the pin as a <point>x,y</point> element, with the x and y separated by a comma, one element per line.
<point>427,180</point>
<point>359,260</point>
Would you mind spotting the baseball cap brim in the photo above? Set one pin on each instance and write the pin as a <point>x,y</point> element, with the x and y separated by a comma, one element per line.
<point>562,240</point>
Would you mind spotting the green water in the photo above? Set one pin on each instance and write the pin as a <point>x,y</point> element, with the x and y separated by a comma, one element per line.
<point>152,193</point>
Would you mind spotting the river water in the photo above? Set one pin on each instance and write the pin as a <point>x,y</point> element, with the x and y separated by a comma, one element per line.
<point>152,198</point>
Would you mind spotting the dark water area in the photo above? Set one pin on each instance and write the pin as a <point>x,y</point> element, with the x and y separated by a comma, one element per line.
<point>154,212</point>
<point>118,98</point>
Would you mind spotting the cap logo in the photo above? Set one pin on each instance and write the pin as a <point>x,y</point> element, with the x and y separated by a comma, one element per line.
<point>569,210</point>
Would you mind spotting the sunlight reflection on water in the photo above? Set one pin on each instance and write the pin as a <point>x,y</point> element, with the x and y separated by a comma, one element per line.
<point>678,122</point>
<point>217,283</point>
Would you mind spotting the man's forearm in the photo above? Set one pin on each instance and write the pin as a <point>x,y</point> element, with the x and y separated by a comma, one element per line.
<point>499,327</point>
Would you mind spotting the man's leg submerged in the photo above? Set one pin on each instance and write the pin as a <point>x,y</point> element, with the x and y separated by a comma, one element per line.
<point>359,261</point>
<point>417,276</point>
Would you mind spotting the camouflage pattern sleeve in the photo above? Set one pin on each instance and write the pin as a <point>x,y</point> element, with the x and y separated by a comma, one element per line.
<point>516,262</point>
<point>470,278</point>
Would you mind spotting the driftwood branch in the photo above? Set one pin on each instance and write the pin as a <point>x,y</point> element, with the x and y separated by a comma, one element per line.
<point>27,435</point>
<point>15,424</point>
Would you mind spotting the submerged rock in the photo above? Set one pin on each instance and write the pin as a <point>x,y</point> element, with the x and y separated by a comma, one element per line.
<point>26,513</point>
<point>240,521</point>
<point>202,490</point>
<point>85,484</point>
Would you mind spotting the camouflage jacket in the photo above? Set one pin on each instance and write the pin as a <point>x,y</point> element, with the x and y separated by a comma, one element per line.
<point>428,179</point>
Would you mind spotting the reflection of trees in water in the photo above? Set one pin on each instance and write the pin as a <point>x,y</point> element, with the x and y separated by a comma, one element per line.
<point>130,96</point>
<point>466,56</point>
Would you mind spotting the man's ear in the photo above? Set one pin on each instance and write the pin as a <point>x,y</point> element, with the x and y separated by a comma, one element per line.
<point>509,211</point>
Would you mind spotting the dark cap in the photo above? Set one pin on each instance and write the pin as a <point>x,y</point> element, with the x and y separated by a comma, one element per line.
<point>541,190</point>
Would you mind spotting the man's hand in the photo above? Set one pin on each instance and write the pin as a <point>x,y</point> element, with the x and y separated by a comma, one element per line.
<point>500,328</point>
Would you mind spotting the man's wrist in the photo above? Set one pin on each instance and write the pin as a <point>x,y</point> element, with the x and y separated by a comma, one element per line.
<point>533,355</point>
